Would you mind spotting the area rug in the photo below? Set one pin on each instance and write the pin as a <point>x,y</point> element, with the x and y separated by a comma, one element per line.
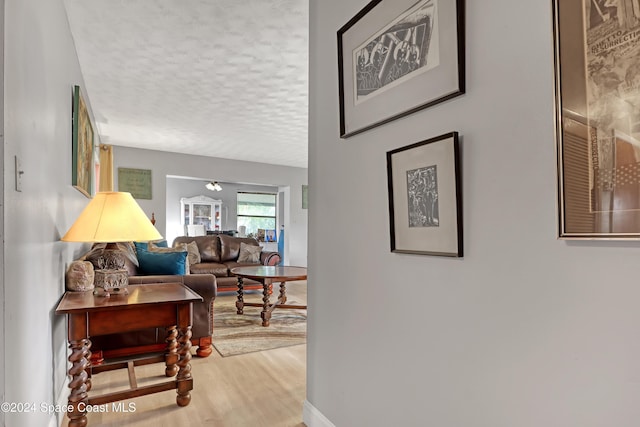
<point>235,334</point>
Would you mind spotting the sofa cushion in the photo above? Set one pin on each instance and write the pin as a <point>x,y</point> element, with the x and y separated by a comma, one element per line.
<point>145,245</point>
<point>233,264</point>
<point>179,247</point>
<point>193,253</point>
<point>249,253</point>
<point>162,262</point>
<point>152,246</point>
<point>230,246</point>
<point>208,246</point>
<point>217,269</point>
<point>209,249</point>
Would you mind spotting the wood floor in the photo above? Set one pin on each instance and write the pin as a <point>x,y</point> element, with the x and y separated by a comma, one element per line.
<point>258,389</point>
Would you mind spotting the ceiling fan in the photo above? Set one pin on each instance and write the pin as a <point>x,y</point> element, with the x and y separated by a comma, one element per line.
<point>213,186</point>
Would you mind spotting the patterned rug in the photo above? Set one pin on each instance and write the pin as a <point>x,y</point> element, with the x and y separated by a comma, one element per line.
<point>235,334</point>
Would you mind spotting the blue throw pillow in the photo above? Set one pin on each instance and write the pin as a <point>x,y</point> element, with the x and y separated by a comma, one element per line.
<point>145,245</point>
<point>140,246</point>
<point>162,262</point>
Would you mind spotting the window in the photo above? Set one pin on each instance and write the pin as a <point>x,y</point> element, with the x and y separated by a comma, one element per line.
<point>257,211</point>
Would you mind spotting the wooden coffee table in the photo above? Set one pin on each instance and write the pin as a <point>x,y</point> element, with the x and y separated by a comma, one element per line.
<point>267,275</point>
<point>162,304</point>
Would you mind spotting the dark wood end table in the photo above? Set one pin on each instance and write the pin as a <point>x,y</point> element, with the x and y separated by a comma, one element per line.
<point>267,275</point>
<point>167,305</point>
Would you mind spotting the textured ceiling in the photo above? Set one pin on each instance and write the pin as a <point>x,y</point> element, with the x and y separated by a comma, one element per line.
<point>220,78</point>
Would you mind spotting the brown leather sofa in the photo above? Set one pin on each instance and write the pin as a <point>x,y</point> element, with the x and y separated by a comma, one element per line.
<point>219,254</point>
<point>153,339</point>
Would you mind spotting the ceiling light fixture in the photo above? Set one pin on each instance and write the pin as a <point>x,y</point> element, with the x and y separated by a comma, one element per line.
<point>214,186</point>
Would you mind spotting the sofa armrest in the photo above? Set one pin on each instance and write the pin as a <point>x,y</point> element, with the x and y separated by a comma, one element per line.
<point>269,258</point>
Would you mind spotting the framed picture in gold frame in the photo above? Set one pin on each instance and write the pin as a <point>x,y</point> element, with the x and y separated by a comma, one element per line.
<point>597,70</point>
<point>82,146</point>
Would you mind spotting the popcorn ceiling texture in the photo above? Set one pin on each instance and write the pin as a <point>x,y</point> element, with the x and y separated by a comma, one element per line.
<point>220,78</point>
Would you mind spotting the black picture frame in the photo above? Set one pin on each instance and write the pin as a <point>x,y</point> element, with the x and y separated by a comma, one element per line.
<point>597,116</point>
<point>425,197</point>
<point>396,57</point>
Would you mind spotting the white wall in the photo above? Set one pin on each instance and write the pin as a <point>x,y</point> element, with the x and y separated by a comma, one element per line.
<point>2,269</point>
<point>525,330</point>
<point>41,68</point>
<point>163,164</point>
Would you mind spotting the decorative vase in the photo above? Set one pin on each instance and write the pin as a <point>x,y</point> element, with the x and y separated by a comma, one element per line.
<point>281,245</point>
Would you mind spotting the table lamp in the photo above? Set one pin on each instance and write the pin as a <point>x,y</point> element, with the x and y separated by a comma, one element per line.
<point>111,218</point>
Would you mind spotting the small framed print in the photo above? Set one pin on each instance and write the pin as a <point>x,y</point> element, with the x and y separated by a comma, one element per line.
<point>425,211</point>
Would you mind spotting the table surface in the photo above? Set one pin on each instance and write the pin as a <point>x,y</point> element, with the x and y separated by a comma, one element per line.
<point>271,272</point>
<point>73,302</point>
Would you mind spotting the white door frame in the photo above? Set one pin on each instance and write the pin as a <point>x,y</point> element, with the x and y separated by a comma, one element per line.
<point>2,205</point>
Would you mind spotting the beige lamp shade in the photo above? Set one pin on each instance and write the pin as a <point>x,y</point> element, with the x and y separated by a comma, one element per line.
<point>112,217</point>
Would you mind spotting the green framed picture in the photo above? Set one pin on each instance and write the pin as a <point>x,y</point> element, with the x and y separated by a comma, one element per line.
<point>305,197</point>
<point>135,181</point>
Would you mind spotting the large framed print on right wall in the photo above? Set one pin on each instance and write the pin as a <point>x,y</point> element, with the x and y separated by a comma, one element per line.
<point>597,82</point>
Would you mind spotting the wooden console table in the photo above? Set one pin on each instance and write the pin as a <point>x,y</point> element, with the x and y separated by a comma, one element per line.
<point>152,305</point>
<point>267,275</point>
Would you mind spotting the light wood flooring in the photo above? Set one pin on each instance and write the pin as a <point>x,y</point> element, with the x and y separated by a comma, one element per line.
<point>262,389</point>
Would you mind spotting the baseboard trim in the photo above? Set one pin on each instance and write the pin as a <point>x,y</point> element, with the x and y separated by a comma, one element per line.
<point>312,417</point>
<point>63,400</point>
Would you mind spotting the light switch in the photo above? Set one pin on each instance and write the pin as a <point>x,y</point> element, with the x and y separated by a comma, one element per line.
<point>19,173</point>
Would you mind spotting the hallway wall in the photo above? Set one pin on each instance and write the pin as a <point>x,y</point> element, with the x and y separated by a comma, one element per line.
<point>526,330</point>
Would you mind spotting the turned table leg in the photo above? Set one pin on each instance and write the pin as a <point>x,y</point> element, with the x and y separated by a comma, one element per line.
<point>266,312</point>
<point>88,357</point>
<point>283,293</point>
<point>171,357</point>
<point>78,399</point>
<point>184,379</point>
<point>240,302</point>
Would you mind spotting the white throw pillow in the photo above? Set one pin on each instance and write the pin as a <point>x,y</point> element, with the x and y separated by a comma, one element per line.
<point>249,253</point>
